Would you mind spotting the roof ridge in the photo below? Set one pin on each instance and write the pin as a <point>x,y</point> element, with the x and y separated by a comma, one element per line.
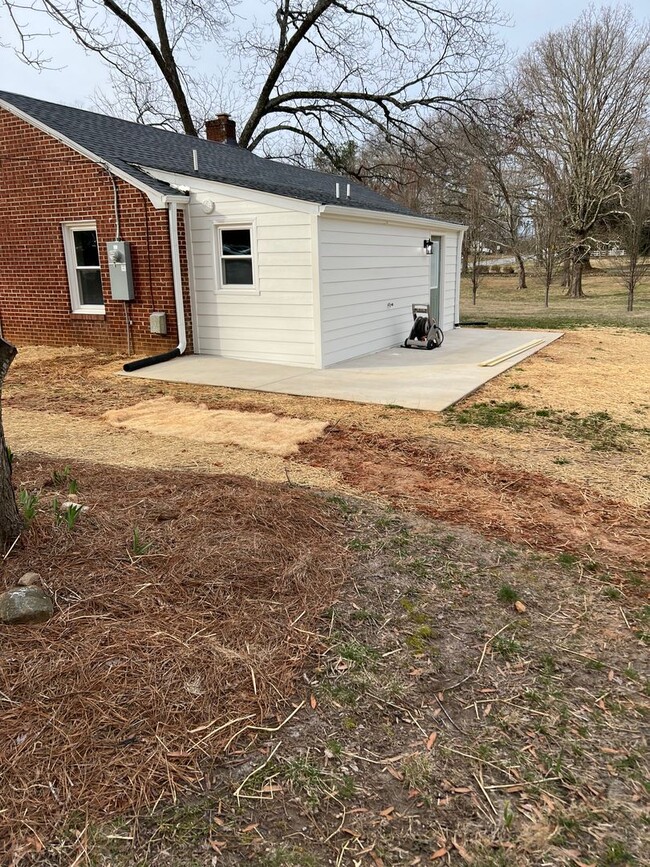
<point>116,140</point>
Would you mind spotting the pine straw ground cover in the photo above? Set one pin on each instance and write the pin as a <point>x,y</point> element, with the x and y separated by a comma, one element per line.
<point>184,610</point>
<point>471,703</point>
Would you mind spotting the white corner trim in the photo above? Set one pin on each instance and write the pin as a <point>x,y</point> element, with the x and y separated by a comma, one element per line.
<point>316,291</point>
<point>159,200</point>
<point>177,278</point>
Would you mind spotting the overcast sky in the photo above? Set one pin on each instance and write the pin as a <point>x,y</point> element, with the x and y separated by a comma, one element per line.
<point>78,75</point>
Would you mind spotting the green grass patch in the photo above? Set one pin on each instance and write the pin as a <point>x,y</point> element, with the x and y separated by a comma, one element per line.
<point>507,648</point>
<point>507,594</point>
<point>598,429</point>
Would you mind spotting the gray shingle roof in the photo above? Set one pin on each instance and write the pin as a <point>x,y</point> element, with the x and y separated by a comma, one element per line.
<point>128,145</point>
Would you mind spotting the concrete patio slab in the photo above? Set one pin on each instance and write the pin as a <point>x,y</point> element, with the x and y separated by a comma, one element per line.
<point>410,378</point>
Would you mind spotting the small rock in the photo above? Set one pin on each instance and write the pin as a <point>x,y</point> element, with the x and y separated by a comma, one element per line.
<point>25,605</point>
<point>29,579</point>
<point>519,606</point>
<point>77,507</point>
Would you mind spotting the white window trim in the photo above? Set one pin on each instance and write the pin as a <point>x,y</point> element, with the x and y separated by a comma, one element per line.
<point>72,267</point>
<point>235,288</point>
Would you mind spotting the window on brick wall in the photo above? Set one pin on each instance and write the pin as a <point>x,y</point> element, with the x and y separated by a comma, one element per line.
<point>84,272</point>
<point>235,254</point>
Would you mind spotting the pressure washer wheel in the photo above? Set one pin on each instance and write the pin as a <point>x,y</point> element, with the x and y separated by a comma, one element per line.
<point>435,337</point>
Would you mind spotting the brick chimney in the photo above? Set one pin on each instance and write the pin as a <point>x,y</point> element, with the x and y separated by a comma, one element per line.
<point>222,129</point>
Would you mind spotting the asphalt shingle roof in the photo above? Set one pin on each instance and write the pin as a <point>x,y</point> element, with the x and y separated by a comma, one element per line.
<point>128,146</point>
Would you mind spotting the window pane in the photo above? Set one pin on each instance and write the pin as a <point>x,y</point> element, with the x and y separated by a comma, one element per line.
<point>90,287</point>
<point>238,272</point>
<point>85,246</point>
<point>236,242</point>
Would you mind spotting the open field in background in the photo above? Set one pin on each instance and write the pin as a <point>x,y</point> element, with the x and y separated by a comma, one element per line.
<point>501,304</point>
<point>467,685</point>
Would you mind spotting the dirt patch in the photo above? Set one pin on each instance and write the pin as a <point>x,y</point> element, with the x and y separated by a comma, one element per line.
<point>520,506</point>
<point>263,432</point>
<point>184,609</point>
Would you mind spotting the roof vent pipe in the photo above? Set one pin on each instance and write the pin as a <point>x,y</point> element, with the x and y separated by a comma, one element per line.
<point>338,191</point>
<point>195,159</point>
<point>347,192</point>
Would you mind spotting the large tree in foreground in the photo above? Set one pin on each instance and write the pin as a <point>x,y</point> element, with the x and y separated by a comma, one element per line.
<point>584,93</point>
<point>10,524</point>
<point>302,78</point>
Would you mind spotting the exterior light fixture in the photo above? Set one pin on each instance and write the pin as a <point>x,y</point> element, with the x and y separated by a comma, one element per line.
<point>428,246</point>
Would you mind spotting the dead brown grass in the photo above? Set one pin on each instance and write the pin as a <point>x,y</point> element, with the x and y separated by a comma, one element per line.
<point>37,354</point>
<point>602,369</point>
<point>260,432</point>
<point>55,408</point>
<point>69,437</point>
<point>155,660</point>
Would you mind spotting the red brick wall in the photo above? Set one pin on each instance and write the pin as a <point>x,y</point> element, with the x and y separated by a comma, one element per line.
<point>43,183</point>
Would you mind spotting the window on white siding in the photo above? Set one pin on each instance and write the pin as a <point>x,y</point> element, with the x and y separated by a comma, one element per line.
<point>235,250</point>
<point>84,272</point>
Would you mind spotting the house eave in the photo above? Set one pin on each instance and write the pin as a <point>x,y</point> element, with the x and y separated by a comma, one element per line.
<point>367,215</point>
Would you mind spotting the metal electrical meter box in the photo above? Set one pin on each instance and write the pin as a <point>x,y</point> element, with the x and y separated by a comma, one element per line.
<point>119,268</point>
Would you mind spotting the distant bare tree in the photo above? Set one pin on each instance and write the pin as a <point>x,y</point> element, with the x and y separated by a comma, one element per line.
<point>634,231</point>
<point>477,221</point>
<point>312,75</point>
<point>550,232</point>
<point>10,523</point>
<point>494,139</point>
<point>584,92</point>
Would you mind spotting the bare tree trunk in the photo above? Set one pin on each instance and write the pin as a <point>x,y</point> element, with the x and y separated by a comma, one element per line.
<point>631,280</point>
<point>575,287</point>
<point>577,266</point>
<point>566,272</point>
<point>547,289</point>
<point>475,278</point>
<point>10,523</point>
<point>464,261</point>
<point>522,270</point>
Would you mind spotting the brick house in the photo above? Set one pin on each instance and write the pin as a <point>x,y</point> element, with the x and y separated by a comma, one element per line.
<point>141,241</point>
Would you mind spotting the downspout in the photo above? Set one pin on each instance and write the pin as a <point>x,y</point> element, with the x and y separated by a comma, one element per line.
<point>178,300</point>
<point>459,256</point>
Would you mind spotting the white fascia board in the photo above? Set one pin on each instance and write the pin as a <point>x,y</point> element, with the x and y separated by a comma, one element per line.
<point>158,200</point>
<point>388,218</point>
<point>200,186</point>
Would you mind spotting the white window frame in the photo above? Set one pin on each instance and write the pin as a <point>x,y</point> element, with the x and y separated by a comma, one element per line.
<point>235,288</point>
<point>72,267</point>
